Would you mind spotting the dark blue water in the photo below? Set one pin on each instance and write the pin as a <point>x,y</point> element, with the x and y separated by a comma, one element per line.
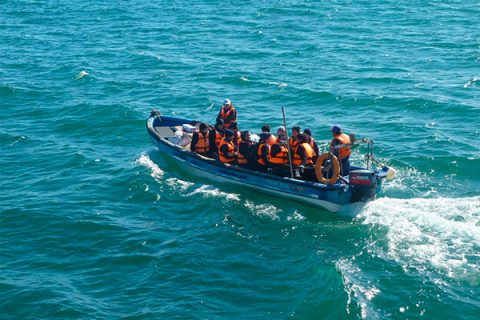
<point>95,223</point>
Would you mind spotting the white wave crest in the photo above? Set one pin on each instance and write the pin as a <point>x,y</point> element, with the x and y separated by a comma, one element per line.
<point>178,184</point>
<point>436,236</point>
<point>264,209</point>
<point>155,171</point>
<point>210,191</point>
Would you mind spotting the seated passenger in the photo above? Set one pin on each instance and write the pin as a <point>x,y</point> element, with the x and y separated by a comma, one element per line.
<point>279,154</point>
<point>272,139</point>
<point>281,136</point>
<point>215,136</point>
<point>312,143</point>
<point>303,154</point>
<point>293,139</point>
<point>244,148</point>
<point>263,152</point>
<point>200,141</point>
<point>236,134</point>
<point>227,113</point>
<point>226,152</point>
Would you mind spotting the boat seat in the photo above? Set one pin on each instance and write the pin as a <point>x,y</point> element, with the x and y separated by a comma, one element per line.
<point>165,132</point>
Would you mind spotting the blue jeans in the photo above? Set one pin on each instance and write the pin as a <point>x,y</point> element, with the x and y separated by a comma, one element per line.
<point>345,166</point>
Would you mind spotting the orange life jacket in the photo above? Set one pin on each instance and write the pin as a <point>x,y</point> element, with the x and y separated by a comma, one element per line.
<point>225,114</point>
<point>218,138</point>
<point>259,153</point>
<point>293,143</point>
<point>281,157</point>
<point>231,151</point>
<point>242,158</point>
<point>297,160</point>
<point>344,151</point>
<point>203,144</point>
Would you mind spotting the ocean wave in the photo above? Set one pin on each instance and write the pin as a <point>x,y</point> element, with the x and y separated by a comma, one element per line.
<point>213,192</point>
<point>155,171</point>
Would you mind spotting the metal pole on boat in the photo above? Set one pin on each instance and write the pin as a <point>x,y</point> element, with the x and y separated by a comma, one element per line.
<point>288,144</point>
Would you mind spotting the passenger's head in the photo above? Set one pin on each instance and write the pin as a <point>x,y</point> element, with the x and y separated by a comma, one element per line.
<point>336,130</point>
<point>228,135</point>
<point>308,133</point>
<point>266,128</point>
<point>227,103</point>
<point>220,124</point>
<point>264,137</point>
<point>281,133</point>
<point>295,131</point>
<point>245,135</point>
<point>203,128</point>
<point>301,138</point>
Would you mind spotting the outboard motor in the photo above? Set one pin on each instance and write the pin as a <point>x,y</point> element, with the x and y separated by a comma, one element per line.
<point>363,184</point>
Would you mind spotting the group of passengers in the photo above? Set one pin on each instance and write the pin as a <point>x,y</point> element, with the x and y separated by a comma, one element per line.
<point>271,154</point>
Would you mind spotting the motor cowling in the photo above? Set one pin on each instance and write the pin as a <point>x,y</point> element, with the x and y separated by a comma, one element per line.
<point>364,185</point>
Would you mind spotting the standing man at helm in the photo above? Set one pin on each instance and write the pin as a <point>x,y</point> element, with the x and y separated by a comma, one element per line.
<point>341,146</point>
<point>227,113</point>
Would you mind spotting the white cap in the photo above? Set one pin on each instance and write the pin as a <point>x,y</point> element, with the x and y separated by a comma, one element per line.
<point>281,128</point>
<point>228,102</point>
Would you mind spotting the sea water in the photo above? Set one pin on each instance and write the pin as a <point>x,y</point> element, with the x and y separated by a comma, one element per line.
<point>96,224</point>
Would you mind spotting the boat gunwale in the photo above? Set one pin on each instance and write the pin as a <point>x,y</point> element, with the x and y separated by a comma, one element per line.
<point>213,162</point>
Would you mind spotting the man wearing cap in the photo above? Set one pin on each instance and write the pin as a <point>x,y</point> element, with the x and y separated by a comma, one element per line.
<point>341,146</point>
<point>312,143</point>
<point>226,152</point>
<point>227,113</point>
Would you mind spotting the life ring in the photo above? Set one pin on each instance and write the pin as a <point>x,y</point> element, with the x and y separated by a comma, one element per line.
<point>319,169</point>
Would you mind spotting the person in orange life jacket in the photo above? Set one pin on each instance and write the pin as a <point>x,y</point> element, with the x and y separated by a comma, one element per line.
<point>271,140</point>
<point>243,153</point>
<point>293,139</point>
<point>312,143</point>
<point>200,141</point>
<point>227,113</point>
<point>279,153</point>
<point>341,148</point>
<point>263,150</point>
<point>226,151</point>
<point>303,154</point>
<point>215,136</point>
<point>236,134</point>
<point>281,136</point>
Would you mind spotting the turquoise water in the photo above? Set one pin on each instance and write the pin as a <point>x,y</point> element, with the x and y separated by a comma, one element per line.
<point>94,223</point>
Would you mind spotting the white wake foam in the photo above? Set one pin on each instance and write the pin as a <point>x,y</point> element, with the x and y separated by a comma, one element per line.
<point>357,289</point>
<point>438,236</point>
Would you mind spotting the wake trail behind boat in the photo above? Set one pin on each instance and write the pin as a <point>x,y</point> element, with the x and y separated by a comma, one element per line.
<point>436,236</point>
